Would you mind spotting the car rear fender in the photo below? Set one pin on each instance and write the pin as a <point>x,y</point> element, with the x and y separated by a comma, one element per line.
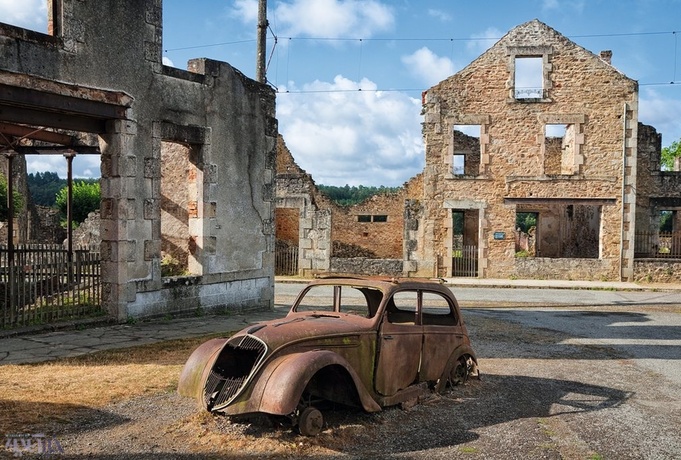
<point>462,350</point>
<point>197,368</point>
<point>284,380</point>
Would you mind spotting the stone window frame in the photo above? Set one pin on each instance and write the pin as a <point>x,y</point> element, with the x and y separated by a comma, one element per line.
<point>576,119</point>
<point>482,120</point>
<point>545,52</point>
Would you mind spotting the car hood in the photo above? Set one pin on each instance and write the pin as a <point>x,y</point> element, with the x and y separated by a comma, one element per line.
<point>308,326</point>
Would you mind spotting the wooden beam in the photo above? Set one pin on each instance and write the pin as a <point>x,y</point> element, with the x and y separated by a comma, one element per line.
<point>38,134</point>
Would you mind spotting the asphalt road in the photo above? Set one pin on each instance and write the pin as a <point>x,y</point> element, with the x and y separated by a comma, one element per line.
<point>493,296</point>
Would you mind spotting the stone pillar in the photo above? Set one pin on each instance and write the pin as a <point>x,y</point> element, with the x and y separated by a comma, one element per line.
<point>117,210</point>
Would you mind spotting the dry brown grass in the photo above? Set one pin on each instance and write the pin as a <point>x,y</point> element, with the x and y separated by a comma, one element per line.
<point>33,396</point>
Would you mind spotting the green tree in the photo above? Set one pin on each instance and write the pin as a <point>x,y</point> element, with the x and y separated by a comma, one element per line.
<point>668,155</point>
<point>44,187</point>
<point>86,198</point>
<point>18,199</point>
<point>525,220</point>
<point>666,221</point>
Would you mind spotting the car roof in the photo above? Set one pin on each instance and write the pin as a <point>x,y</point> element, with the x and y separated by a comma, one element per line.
<point>380,282</point>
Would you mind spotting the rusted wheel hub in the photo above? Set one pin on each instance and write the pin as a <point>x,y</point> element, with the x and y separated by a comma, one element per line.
<point>310,421</point>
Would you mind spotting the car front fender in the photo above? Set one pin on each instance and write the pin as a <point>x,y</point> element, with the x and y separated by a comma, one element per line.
<point>283,381</point>
<point>196,369</point>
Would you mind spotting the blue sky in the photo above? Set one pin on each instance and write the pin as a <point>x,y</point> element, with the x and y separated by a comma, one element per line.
<point>328,50</point>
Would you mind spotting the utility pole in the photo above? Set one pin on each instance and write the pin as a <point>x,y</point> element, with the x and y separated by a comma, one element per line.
<point>261,42</point>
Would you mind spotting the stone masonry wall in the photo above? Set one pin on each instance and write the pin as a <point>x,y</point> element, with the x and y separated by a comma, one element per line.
<point>580,89</point>
<point>109,80</point>
<point>324,224</point>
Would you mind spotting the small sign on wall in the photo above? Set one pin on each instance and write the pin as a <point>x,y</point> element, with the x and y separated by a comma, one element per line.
<point>499,235</point>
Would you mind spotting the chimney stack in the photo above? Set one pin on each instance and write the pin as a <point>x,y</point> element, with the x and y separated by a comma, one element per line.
<point>607,56</point>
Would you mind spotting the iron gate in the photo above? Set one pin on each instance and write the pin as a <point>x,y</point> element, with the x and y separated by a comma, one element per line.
<point>465,261</point>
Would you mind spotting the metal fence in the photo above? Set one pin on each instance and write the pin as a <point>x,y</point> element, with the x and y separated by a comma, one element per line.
<point>657,245</point>
<point>286,261</point>
<point>45,283</point>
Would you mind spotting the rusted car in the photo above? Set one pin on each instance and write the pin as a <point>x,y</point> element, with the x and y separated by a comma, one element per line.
<point>357,341</point>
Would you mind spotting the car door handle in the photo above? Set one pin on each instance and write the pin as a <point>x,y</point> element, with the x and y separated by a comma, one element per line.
<point>387,337</point>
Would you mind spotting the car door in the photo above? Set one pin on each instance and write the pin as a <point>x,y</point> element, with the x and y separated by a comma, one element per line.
<point>399,344</point>
<point>442,333</point>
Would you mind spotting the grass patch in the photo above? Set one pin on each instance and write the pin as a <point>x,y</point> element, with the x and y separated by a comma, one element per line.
<point>35,396</point>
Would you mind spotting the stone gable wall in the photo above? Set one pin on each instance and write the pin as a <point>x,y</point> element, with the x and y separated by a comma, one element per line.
<point>580,89</point>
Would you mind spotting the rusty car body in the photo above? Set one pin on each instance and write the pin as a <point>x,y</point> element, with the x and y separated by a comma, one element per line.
<point>358,341</point>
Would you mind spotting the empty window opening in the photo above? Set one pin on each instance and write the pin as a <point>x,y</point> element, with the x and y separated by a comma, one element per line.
<point>43,17</point>
<point>529,77</point>
<point>458,164</point>
<point>669,237</point>
<point>526,233</point>
<point>559,149</point>
<point>560,230</point>
<point>179,206</point>
<point>663,236</point>
<point>436,310</point>
<point>667,221</point>
<point>466,148</point>
<point>372,218</point>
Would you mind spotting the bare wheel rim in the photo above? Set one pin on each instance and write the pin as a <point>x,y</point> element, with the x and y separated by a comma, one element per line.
<point>310,421</point>
<point>459,373</point>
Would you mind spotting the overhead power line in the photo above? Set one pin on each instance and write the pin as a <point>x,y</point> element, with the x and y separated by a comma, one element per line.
<point>420,39</point>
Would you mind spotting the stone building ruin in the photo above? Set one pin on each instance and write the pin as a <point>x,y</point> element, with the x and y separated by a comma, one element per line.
<point>561,144</point>
<point>187,156</point>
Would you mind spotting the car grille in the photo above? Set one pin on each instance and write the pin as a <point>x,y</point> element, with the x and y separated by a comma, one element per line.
<point>238,360</point>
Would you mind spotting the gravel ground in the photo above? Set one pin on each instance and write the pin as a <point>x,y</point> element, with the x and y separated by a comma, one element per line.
<point>539,397</point>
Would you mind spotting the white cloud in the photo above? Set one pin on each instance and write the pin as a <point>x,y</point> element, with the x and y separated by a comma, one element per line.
<point>570,5</point>
<point>342,135</point>
<point>30,14</point>
<point>167,61</point>
<point>83,165</point>
<point>333,18</point>
<point>439,14</point>
<point>246,10</point>
<point>428,67</point>
<point>481,42</point>
<point>550,5</point>
<point>661,111</point>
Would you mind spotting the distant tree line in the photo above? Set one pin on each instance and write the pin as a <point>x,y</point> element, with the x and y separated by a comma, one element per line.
<point>47,189</point>
<point>44,187</point>
<point>347,196</point>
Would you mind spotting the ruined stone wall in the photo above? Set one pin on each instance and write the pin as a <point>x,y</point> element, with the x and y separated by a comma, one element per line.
<point>288,225</point>
<point>581,90</point>
<point>378,223</point>
<point>376,226</point>
<point>113,77</point>
<point>21,214</point>
<point>657,190</point>
<point>297,197</point>
<point>657,271</point>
